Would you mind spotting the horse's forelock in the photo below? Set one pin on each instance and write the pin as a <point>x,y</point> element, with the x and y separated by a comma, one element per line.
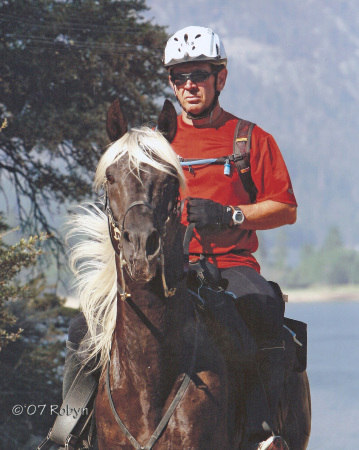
<point>141,145</point>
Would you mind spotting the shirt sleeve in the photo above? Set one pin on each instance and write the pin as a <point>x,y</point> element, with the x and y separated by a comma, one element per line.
<point>268,169</point>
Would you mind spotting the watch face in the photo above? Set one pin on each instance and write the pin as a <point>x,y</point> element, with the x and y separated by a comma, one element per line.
<point>238,217</point>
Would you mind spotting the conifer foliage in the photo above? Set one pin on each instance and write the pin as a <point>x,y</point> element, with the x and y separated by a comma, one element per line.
<point>62,63</point>
<point>33,322</point>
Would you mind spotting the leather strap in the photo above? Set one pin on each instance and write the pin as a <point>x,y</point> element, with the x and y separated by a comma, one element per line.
<point>241,149</point>
<point>186,241</point>
<point>240,157</point>
<point>73,407</point>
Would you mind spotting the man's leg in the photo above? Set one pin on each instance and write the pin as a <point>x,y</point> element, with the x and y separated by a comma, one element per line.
<point>262,311</point>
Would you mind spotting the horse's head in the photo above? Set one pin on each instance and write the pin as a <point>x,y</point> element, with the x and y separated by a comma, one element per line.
<point>141,175</point>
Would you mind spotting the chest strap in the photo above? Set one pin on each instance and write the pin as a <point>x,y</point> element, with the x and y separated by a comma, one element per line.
<point>240,157</point>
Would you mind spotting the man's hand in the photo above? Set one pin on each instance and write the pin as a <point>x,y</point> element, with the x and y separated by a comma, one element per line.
<point>207,213</point>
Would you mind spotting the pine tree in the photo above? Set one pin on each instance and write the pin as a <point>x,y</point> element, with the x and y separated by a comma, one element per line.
<point>330,264</point>
<point>62,64</point>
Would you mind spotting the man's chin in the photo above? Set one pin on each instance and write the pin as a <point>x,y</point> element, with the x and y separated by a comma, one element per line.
<point>193,108</point>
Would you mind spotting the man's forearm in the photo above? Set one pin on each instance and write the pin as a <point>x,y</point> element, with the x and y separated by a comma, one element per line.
<point>267,215</point>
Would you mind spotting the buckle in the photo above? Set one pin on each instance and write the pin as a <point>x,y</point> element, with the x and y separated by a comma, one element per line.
<point>70,442</point>
<point>42,446</point>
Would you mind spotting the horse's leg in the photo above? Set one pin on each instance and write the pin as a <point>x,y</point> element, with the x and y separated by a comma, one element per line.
<point>295,409</point>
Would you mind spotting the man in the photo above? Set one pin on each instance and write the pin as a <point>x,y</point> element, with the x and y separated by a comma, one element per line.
<point>226,219</point>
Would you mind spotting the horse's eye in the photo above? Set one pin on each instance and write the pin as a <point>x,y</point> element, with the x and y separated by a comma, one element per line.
<point>109,178</point>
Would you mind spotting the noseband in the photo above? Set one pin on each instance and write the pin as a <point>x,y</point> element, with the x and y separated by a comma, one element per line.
<point>116,231</point>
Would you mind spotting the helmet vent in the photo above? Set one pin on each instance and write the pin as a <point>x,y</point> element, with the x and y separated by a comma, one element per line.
<point>198,35</point>
<point>186,37</point>
<point>193,47</point>
<point>217,48</point>
<point>176,39</point>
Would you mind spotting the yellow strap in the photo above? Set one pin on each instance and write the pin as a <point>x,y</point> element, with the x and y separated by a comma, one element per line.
<point>241,139</point>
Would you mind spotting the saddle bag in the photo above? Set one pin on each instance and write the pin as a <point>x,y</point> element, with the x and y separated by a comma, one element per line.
<point>298,331</point>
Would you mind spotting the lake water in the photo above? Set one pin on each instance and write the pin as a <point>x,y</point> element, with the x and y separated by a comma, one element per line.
<point>333,367</point>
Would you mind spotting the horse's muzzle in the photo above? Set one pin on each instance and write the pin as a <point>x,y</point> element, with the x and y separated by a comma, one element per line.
<point>141,252</point>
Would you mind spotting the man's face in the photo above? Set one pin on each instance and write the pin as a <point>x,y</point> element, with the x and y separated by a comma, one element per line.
<point>194,96</point>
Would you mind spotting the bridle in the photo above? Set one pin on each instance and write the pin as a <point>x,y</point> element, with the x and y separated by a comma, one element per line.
<point>116,231</point>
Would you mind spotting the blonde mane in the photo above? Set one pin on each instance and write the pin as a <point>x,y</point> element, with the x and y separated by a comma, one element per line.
<point>92,259</point>
<point>142,145</point>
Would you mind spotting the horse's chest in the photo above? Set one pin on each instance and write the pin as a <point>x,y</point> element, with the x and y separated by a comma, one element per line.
<point>198,419</point>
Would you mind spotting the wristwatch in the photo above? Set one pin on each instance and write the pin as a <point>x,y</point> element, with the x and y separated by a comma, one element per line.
<point>238,216</point>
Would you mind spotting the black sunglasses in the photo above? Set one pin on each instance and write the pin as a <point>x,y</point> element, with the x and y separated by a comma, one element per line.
<point>196,77</point>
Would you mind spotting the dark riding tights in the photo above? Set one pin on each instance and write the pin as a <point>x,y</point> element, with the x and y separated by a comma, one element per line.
<point>262,309</point>
<point>258,304</point>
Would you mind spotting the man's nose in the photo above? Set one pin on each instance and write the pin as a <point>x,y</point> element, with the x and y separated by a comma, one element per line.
<point>189,84</point>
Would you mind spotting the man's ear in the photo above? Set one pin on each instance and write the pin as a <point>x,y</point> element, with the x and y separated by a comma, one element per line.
<point>172,85</point>
<point>221,79</point>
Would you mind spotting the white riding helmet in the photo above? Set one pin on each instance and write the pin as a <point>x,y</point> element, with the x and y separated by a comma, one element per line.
<point>194,44</point>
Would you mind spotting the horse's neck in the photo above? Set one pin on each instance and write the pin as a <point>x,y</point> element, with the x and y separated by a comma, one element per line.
<point>147,322</point>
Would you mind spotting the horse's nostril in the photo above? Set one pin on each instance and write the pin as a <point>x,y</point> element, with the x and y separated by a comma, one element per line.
<point>126,236</point>
<point>152,244</point>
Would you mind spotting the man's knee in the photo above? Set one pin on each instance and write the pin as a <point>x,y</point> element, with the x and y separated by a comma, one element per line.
<point>263,315</point>
<point>259,304</point>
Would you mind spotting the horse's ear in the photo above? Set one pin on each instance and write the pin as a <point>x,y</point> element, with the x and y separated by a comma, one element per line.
<point>116,124</point>
<point>167,121</point>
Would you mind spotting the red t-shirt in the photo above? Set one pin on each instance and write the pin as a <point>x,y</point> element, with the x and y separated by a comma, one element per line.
<point>235,245</point>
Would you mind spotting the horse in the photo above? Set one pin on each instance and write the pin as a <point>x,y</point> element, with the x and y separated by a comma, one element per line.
<point>165,381</point>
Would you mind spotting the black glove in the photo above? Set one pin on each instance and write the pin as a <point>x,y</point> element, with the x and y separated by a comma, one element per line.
<point>206,213</point>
